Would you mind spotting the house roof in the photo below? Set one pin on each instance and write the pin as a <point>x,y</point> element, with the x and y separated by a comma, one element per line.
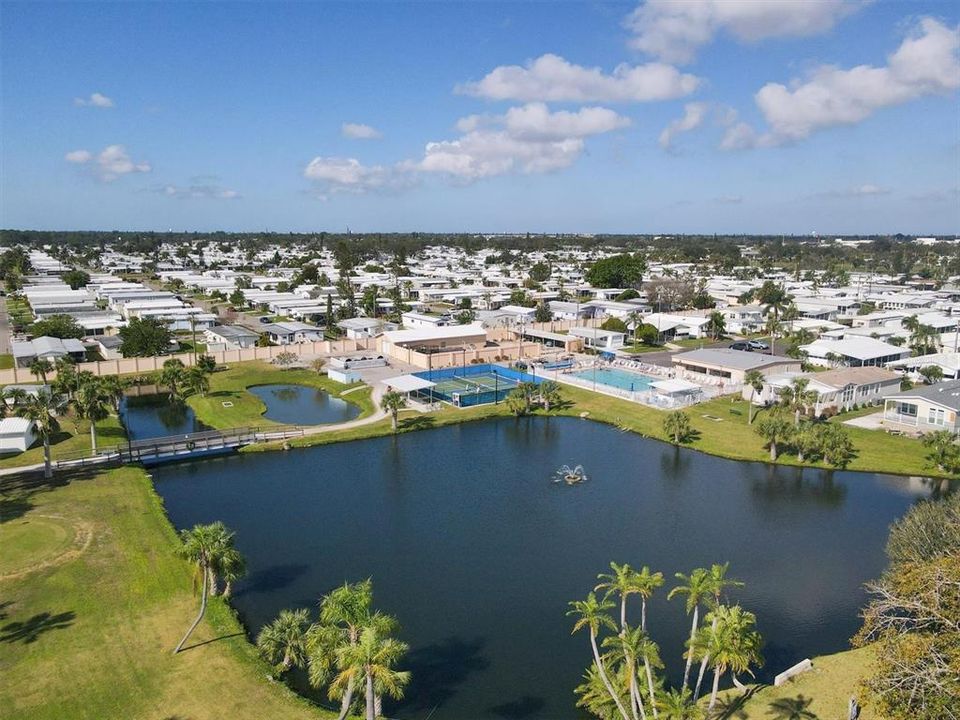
<point>946,394</point>
<point>15,426</point>
<point>443,332</point>
<point>232,332</point>
<point>736,359</point>
<point>842,377</point>
<point>860,348</point>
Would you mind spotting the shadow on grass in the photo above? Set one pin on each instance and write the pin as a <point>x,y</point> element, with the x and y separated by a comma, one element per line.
<point>14,508</point>
<point>29,631</point>
<point>731,708</point>
<point>212,640</point>
<point>795,708</point>
<point>418,422</point>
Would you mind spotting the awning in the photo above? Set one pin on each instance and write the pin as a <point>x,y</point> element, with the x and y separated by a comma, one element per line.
<point>407,383</point>
<point>674,387</point>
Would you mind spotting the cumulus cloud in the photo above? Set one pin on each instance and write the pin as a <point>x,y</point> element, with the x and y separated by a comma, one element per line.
<point>926,63</point>
<point>693,116</point>
<point>358,131</point>
<point>551,78</point>
<point>674,31</point>
<point>528,139</point>
<point>111,163</point>
<point>199,192</point>
<point>96,99</point>
<point>868,190</point>
<point>729,199</point>
<point>349,175</point>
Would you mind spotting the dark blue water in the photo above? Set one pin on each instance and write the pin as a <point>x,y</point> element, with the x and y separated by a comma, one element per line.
<point>152,416</point>
<point>303,405</point>
<point>477,553</point>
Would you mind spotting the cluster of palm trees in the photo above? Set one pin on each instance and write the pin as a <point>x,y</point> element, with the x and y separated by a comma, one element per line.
<point>528,395</point>
<point>211,551</point>
<point>351,650</point>
<point>924,339</point>
<point>182,382</point>
<point>625,680</point>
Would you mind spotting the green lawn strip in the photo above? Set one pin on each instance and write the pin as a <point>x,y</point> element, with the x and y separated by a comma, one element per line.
<point>6,361</point>
<point>73,441</point>
<point>641,349</point>
<point>823,692</point>
<point>114,612</point>
<point>231,385</point>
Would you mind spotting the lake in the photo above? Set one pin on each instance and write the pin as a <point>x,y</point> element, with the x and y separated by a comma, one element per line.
<point>477,552</point>
<point>303,405</point>
<point>152,416</point>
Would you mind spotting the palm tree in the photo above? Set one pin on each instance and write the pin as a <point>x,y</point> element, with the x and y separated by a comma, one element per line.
<point>233,566</point>
<point>206,363</point>
<point>719,582</point>
<point>626,649</point>
<point>92,403</point>
<point>549,394</point>
<point>42,409</point>
<point>676,705</point>
<point>620,582</point>
<point>796,397</point>
<point>677,425</point>
<point>226,558</point>
<point>592,614</point>
<point>732,643</point>
<point>172,375</point>
<point>645,583</point>
<point>202,546</point>
<point>113,387</point>
<point>774,428</point>
<point>372,660</point>
<point>66,380</point>
<point>717,326</point>
<point>392,402</point>
<point>344,612</point>
<point>754,379</point>
<point>196,380</point>
<point>775,300</point>
<point>283,642</point>
<point>697,588</point>
<point>39,369</point>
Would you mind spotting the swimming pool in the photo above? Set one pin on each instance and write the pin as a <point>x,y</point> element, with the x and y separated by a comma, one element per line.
<point>615,377</point>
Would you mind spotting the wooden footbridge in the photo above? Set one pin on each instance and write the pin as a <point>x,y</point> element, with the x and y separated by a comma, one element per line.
<point>154,451</point>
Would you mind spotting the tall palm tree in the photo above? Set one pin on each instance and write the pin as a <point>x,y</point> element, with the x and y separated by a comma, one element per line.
<point>39,369</point>
<point>372,660</point>
<point>754,379</point>
<point>233,566</point>
<point>197,380</point>
<point>202,546</point>
<point>172,376</point>
<point>549,393</point>
<point>797,397</point>
<point>646,582</point>
<point>625,653</point>
<point>344,612</point>
<point>717,326</point>
<point>93,404</point>
<point>225,557</point>
<point>283,642</point>
<point>42,408</point>
<point>719,582</point>
<point>696,587</point>
<point>592,614</point>
<point>113,386</point>
<point>392,402</point>
<point>619,582</point>
<point>66,380</point>
<point>733,644</point>
<point>775,429</point>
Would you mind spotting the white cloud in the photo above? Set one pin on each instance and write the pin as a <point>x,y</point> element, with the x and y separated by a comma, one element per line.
<point>96,99</point>
<point>528,139</point>
<point>111,163</point>
<point>78,156</point>
<point>868,190</point>
<point>358,131</point>
<point>693,116</point>
<point>200,192</point>
<point>674,31</point>
<point>349,175</point>
<point>730,199</point>
<point>926,63</point>
<point>551,78</point>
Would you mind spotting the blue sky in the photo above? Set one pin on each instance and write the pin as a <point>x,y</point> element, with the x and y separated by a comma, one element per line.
<point>821,116</point>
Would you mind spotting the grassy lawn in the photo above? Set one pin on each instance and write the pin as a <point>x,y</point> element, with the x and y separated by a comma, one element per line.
<point>72,441</point>
<point>6,361</point>
<point>640,349</point>
<point>231,386</point>
<point>90,636</point>
<point>820,693</point>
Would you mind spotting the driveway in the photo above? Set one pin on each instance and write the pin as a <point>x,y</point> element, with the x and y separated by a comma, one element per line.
<point>873,421</point>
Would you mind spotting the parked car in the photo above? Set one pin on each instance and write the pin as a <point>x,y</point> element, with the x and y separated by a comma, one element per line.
<point>744,346</point>
<point>758,345</point>
<point>264,320</point>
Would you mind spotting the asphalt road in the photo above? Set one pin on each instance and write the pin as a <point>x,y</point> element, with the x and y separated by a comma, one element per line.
<point>5,347</point>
